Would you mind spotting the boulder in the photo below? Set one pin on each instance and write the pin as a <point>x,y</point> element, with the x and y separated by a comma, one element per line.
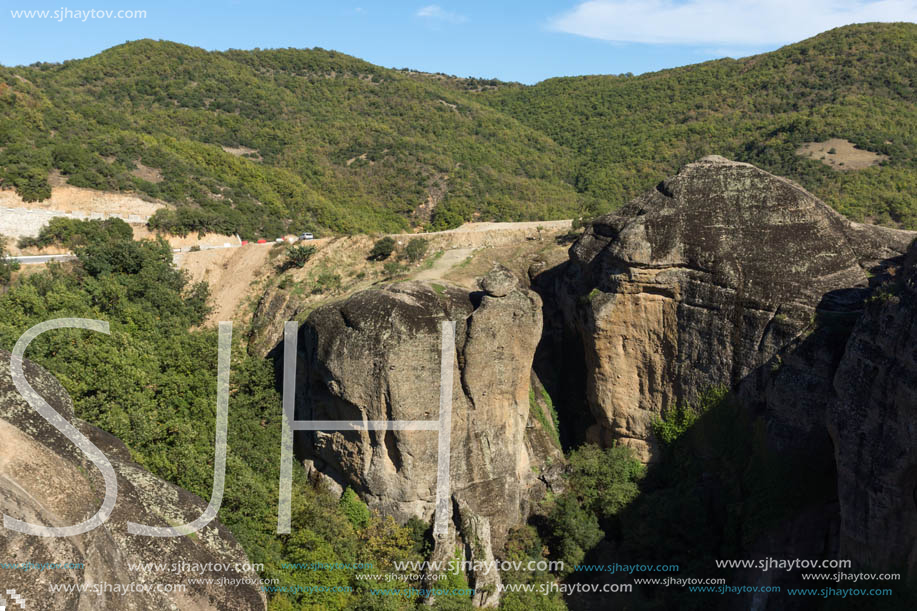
<point>45,479</point>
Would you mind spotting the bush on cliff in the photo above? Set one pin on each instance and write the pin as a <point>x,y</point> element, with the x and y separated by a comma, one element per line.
<point>355,509</point>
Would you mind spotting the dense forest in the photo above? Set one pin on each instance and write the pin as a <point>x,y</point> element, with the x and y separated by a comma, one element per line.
<point>257,142</point>
<point>858,83</point>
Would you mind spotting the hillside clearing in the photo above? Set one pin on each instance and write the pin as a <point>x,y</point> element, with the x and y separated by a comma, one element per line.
<point>840,154</point>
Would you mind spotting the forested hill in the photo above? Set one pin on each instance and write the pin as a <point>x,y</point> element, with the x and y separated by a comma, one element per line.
<point>857,83</point>
<point>260,141</point>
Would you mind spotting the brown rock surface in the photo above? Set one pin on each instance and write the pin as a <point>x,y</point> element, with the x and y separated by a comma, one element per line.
<point>708,280</point>
<point>376,356</point>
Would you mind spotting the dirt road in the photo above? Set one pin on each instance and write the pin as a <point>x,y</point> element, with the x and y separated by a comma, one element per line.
<point>444,264</point>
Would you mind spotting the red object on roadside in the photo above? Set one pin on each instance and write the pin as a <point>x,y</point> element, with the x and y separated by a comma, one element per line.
<point>262,241</point>
<point>244,242</point>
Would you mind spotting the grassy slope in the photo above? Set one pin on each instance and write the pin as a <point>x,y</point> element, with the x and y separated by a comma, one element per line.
<point>557,149</point>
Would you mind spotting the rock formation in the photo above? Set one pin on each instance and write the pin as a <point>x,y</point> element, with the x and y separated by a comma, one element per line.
<point>724,275</point>
<point>716,277</point>
<point>376,356</point>
<point>45,479</point>
<point>874,426</point>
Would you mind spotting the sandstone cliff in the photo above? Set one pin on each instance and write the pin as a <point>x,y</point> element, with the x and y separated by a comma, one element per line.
<point>376,356</point>
<point>45,479</point>
<point>719,276</point>
<point>724,275</point>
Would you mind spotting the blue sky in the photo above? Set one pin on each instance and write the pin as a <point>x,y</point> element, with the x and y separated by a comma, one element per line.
<point>523,41</point>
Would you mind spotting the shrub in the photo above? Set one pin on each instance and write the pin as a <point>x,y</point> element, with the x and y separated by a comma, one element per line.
<point>355,509</point>
<point>416,249</point>
<point>7,265</point>
<point>393,268</point>
<point>298,255</point>
<point>326,281</point>
<point>382,249</point>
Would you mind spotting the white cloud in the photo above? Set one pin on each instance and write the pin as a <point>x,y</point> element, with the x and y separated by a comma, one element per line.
<point>724,22</point>
<point>435,12</point>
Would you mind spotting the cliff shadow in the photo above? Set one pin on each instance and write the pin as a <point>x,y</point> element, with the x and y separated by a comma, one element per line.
<point>560,360</point>
<point>754,476</point>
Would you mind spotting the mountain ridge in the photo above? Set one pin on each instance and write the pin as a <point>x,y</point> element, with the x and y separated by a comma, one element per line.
<point>263,141</point>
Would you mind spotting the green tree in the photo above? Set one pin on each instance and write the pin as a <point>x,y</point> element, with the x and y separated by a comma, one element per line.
<point>7,265</point>
<point>605,480</point>
<point>382,249</point>
<point>416,249</point>
<point>574,531</point>
<point>354,508</point>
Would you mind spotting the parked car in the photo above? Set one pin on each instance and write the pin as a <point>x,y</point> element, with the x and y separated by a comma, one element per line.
<point>306,236</point>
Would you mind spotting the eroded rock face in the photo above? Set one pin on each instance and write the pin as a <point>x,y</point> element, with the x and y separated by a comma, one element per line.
<point>376,356</point>
<point>717,277</point>
<point>874,426</point>
<point>45,479</point>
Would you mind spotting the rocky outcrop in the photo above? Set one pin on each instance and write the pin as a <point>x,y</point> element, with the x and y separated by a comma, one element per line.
<point>719,276</point>
<point>874,426</point>
<point>376,356</point>
<point>724,275</point>
<point>45,479</point>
